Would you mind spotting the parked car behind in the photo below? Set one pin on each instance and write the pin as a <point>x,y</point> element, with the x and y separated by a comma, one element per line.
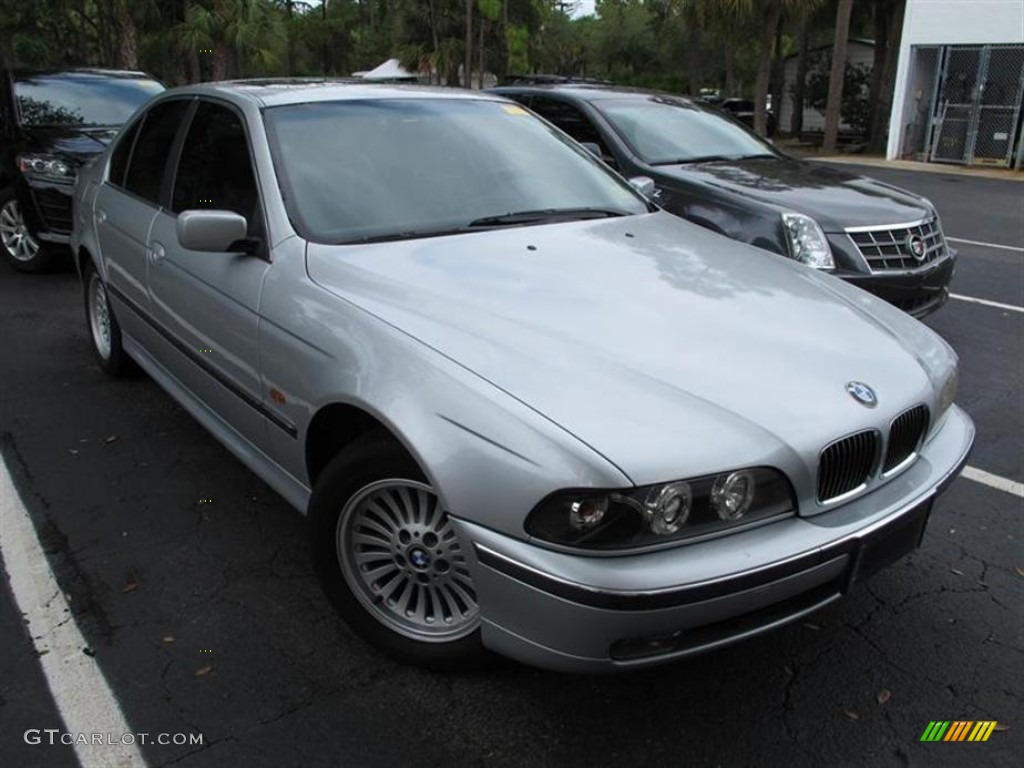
<point>743,110</point>
<point>525,410</point>
<point>51,123</point>
<point>714,172</point>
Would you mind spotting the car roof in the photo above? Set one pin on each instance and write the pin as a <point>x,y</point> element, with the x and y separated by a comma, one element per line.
<point>589,91</point>
<point>274,92</point>
<point>19,72</point>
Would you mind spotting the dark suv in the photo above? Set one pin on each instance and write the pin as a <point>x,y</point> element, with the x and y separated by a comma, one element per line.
<point>51,123</point>
<point>712,170</point>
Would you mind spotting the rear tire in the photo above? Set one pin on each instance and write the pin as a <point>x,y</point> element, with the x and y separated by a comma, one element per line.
<point>389,560</point>
<point>19,246</point>
<point>104,331</point>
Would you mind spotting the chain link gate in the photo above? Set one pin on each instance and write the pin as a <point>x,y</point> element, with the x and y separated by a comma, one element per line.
<point>978,105</point>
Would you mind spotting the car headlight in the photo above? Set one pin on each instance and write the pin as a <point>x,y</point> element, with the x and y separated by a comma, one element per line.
<point>47,167</point>
<point>807,243</point>
<point>653,514</point>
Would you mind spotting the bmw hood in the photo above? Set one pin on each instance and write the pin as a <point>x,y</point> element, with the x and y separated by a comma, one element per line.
<point>834,198</point>
<point>666,348</point>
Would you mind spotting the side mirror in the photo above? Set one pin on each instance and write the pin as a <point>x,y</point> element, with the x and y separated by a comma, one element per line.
<point>214,231</point>
<point>592,148</point>
<point>644,185</point>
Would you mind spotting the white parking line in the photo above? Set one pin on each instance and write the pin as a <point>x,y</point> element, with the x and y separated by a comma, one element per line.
<point>985,245</point>
<point>986,302</point>
<point>994,481</point>
<point>83,698</point>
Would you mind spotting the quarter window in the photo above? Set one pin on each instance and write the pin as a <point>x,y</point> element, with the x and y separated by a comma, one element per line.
<point>123,150</point>
<point>215,171</point>
<point>152,147</point>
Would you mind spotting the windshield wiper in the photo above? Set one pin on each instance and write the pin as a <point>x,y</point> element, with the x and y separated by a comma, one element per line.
<point>519,218</point>
<point>546,214</point>
<point>704,159</point>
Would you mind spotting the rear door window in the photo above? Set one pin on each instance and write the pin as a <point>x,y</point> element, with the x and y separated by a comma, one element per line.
<point>152,148</point>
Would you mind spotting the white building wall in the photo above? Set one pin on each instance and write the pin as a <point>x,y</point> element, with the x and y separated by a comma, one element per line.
<point>947,22</point>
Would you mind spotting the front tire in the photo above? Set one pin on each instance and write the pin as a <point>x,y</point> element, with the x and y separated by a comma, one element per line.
<point>104,331</point>
<point>390,561</point>
<point>19,246</point>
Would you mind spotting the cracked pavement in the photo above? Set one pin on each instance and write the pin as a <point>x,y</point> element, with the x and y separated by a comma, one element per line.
<point>289,685</point>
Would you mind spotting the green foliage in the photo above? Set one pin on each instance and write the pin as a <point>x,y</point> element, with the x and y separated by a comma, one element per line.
<point>675,45</point>
<point>856,106</point>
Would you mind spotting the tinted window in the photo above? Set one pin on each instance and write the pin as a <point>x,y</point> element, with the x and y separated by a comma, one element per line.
<point>665,131</point>
<point>119,160</point>
<point>413,167</point>
<point>81,98</point>
<point>215,170</point>
<point>569,119</point>
<point>153,145</point>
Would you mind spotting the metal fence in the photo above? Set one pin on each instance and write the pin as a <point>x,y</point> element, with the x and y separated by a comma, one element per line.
<point>977,112</point>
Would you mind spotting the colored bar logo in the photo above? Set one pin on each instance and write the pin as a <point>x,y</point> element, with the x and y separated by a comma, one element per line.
<point>958,730</point>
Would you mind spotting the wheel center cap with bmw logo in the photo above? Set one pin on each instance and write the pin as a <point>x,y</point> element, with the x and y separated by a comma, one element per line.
<point>915,245</point>
<point>862,393</point>
<point>419,558</point>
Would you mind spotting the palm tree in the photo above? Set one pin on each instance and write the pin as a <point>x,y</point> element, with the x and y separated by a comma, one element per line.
<point>769,14</point>
<point>247,32</point>
<point>836,76</point>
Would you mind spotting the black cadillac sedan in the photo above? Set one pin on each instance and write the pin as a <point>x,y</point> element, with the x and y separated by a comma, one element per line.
<point>51,123</point>
<point>712,170</point>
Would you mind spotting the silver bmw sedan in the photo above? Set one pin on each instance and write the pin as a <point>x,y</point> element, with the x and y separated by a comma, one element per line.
<point>525,410</point>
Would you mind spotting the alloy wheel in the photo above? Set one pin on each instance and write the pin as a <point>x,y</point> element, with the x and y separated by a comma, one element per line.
<point>99,316</point>
<point>403,561</point>
<point>14,233</point>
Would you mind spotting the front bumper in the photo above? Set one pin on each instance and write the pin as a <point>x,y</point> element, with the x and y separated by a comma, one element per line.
<point>47,209</point>
<point>917,293</point>
<point>602,613</point>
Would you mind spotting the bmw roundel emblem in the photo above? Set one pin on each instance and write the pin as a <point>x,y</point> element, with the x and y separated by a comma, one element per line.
<point>862,393</point>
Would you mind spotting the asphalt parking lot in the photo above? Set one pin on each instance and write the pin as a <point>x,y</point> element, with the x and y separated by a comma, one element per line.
<point>191,584</point>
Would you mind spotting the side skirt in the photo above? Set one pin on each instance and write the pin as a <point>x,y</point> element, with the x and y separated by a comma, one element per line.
<point>293,491</point>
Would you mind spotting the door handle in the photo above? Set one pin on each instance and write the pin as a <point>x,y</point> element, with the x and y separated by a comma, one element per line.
<point>101,215</point>
<point>156,253</point>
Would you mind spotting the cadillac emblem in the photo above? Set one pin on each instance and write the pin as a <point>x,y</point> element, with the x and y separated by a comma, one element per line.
<point>862,393</point>
<point>916,246</point>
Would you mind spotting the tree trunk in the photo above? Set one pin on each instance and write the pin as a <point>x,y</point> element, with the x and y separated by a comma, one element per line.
<point>219,69</point>
<point>480,51</point>
<point>773,15</point>
<point>289,12</point>
<point>730,67</point>
<point>467,81</point>
<point>127,44</point>
<point>796,124</point>
<point>833,107</point>
<point>880,19</point>
<point>778,88</point>
<point>883,113</point>
<point>505,43</point>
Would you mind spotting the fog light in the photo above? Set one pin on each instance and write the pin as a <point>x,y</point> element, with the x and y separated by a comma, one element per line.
<point>732,495</point>
<point>587,513</point>
<point>668,507</point>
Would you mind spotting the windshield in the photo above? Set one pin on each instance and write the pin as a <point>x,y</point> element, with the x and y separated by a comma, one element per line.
<point>664,132</point>
<point>379,169</point>
<point>80,99</point>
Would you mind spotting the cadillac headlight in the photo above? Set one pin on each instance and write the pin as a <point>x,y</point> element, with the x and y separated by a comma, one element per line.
<point>807,243</point>
<point>653,514</point>
<point>46,167</point>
